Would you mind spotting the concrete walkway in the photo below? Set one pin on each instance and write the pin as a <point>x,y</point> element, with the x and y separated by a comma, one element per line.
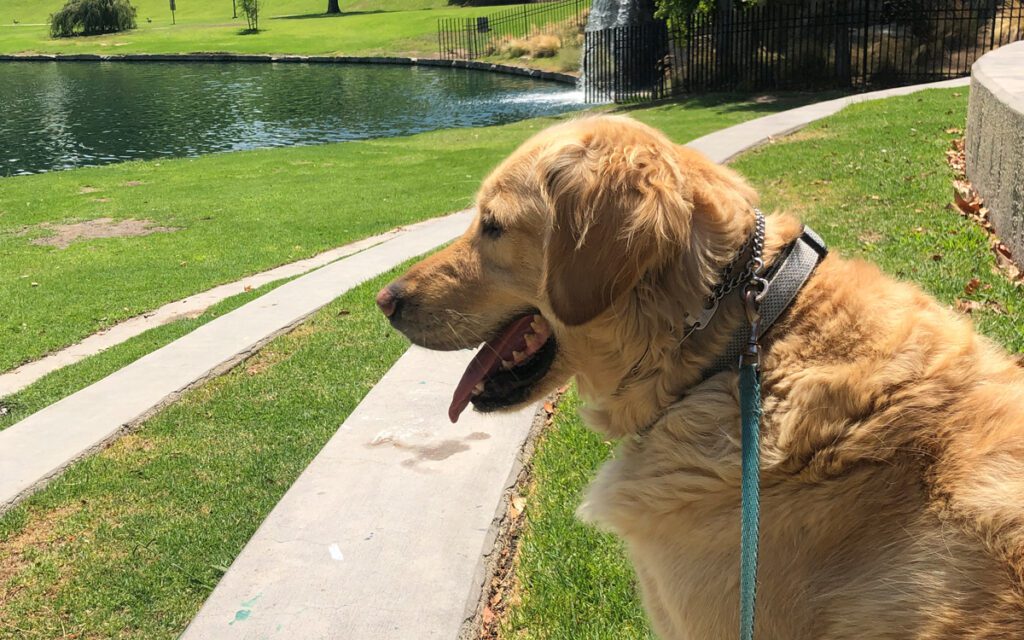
<point>43,444</point>
<point>17,379</point>
<point>387,532</point>
<point>384,535</point>
<point>724,145</point>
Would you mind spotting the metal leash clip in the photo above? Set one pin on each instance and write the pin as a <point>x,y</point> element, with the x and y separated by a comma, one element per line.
<point>752,295</point>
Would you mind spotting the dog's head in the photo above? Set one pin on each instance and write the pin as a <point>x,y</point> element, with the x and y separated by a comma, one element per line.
<point>579,237</point>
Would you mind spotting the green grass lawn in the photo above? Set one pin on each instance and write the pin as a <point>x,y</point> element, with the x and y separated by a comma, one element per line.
<point>873,181</point>
<point>365,27</point>
<point>241,213</point>
<point>129,543</point>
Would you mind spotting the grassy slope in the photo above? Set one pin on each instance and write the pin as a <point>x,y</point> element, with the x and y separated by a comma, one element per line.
<point>385,27</point>
<point>874,182</point>
<point>129,542</point>
<point>241,213</point>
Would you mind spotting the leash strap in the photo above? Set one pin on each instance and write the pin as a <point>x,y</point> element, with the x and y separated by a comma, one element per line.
<point>750,417</point>
<point>762,311</point>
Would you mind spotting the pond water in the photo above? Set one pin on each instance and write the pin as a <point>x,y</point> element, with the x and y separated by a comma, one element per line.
<point>59,115</point>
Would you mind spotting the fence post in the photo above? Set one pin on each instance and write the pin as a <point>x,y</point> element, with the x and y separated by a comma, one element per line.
<point>864,51</point>
<point>995,13</point>
<point>844,48</point>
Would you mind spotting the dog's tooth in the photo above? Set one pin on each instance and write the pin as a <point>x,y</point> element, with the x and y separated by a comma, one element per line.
<point>518,356</point>
<point>479,388</point>
<point>507,364</point>
<point>533,342</point>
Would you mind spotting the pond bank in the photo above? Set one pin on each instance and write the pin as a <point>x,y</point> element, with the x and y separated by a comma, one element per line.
<point>261,57</point>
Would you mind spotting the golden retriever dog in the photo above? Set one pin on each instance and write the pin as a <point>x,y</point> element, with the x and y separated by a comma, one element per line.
<point>892,437</point>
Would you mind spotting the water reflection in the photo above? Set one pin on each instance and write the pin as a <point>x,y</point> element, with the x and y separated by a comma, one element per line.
<point>70,114</point>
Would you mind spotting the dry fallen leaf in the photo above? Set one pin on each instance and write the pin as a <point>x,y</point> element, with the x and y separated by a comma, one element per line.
<point>967,306</point>
<point>972,286</point>
<point>937,257</point>
<point>549,408</point>
<point>248,287</point>
<point>953,130</point>
<point>519,502</point>
<point>966,197</point>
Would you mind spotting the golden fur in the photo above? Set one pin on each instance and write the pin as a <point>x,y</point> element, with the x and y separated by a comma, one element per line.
<point>893,434</point>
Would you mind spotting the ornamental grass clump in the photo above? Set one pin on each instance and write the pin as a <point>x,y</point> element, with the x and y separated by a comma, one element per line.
<point>92,17</point>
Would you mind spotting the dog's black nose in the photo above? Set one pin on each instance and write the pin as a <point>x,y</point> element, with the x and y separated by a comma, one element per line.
<point>389,300</point>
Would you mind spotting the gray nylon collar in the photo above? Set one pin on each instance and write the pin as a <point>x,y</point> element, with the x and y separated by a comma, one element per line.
<point>784,283</point>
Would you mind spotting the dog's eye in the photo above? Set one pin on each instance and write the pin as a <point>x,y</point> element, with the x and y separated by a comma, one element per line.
<point>490,228</point>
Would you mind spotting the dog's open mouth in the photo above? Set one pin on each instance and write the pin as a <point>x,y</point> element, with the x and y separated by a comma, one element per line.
<point>506,368</point>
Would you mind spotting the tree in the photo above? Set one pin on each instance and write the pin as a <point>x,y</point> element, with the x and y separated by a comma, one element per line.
<point>92,17</point>
<point>251,9</point>
<point>333,7</point>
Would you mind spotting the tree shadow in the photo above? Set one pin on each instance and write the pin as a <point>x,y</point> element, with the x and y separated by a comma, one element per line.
<point>313,16</point>
<point>752,102</point>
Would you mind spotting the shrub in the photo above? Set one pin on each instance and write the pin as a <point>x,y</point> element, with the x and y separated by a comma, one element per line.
<point>251,9</point>
<point>91,17</point>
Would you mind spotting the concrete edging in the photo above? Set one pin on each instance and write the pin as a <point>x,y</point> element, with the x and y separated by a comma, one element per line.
<point>994,143</point>
<point>507,69</point>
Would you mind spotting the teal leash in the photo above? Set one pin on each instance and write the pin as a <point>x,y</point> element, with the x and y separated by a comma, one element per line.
<point>750,483</point>
<point>766,297</point>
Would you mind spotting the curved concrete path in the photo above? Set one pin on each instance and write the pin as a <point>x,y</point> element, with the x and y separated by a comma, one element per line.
<point>388,532</point>
<point>17,379</point>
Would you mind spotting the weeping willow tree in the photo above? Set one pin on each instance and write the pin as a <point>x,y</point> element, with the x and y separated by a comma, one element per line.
<point>92,17</point>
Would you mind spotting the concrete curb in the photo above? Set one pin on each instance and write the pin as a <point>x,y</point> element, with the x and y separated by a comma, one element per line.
<point>564,78</point>
<point>995,141</point>
<point>402,588</point>
<point>45,443</point>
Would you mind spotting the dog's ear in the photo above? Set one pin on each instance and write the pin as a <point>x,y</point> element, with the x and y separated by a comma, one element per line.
<point>617,212</point>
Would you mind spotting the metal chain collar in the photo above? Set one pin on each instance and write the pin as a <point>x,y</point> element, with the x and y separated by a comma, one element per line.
<point>751,274</point>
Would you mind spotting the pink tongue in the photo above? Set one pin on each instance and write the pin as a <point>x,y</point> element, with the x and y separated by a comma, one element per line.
<point>486,361</point>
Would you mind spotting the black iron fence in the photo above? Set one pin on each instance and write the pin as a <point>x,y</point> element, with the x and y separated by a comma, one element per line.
<point>858,44</point>
<point>472,38</point>
<point>627,64</point>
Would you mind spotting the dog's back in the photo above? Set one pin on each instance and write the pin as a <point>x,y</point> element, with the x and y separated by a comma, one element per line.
<point>893,478</point>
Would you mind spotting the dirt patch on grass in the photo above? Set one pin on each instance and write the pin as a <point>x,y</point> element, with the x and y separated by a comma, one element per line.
<point>62,235</point>
<point>129,445</point>
<point>803,135</point>
<point>87,189</point>
<point>40,531</point>
<point>263,361</point>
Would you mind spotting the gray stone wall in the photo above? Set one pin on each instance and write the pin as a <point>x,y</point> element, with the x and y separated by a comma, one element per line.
<point>995,141</point>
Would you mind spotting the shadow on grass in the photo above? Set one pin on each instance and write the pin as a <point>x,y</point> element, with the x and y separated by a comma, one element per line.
<point>313,16</point>
<point>753,102</point>
<point>249,32</point>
